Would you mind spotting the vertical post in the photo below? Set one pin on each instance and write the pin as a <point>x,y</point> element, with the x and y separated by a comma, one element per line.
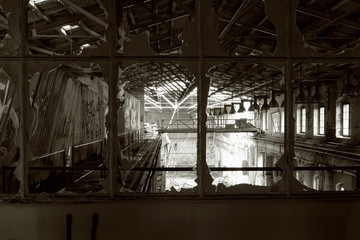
<point>64,165</point>
<point>72,165</point>
<point>204,179</point>
<point>101,110</point>
<point>112,130</point>
<point>23,94</point>
<point>64,158</point>
<point>289,119</point>
<point>113,89</point>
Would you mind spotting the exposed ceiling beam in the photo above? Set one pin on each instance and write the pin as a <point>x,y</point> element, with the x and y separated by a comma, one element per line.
<point>233,20</point>
<point>69,9</point>
<point>84,27</point>
<point>41,50</point>
<point>66,20</point>
<point>333,21</point>
<point>168,81</point>
<point>242,10</point>
<point>239,76</point>
<point>185,72</point>
<point>187,92</point>
<point>172,71</point>
<point>183,6</point>
<point>314,13</point>
<point>132,18</point>
<point>157,21</point>
<point>132,3</point>
<point>253,27</point>
<point>157,17</point>
<point>252,48</point>
<point>174,82</point>
<point>39,12</point>
<point>324,47</point>
<point>86,13</point>
<point>66,46</point>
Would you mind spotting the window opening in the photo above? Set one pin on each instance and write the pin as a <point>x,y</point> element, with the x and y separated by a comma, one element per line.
<point>346,119</point>
<point>303,120</point>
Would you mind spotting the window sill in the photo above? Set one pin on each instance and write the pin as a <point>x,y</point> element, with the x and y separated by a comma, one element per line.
<point>343,137</point>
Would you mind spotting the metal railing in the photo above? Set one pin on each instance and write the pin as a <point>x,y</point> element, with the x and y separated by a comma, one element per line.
<point>133,140</point>
<point>211,123</point>
<point>354,170</point>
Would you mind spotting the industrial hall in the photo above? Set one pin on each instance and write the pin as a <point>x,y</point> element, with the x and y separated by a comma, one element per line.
<point>180,119</point>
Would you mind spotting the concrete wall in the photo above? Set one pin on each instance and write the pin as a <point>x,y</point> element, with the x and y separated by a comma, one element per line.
<point>280,219</point>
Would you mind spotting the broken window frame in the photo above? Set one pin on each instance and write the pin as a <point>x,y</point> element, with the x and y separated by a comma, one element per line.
<point>200,59</point>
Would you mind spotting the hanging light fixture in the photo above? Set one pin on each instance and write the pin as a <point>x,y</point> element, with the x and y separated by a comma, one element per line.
<point>232,110</point>
<point>265,106</point>
<point>254,106</point>
<point>349,90</point>
<point>273,103</point>
<point>317,98</point>
<point>241,108</point>
<point>301,98</point>
<point>227,109</point>
<point>217,111</point>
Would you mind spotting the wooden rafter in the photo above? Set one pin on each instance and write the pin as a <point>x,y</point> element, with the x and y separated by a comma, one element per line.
<point>333,21</point>
<point>315,13</point>
<point>66,20</point>
<point>244,8</point>
<point>157,17</point>
<point>85,13</point>
<point>84,27</point>
<point>39,12</point>
<point>181,4</point>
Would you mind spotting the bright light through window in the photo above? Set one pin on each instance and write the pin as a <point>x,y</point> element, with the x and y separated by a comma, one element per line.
<point>303,120</point>
<point>319,121</point>
<point>282,121</point>
<point>346,119</point>
<point>322,121</point>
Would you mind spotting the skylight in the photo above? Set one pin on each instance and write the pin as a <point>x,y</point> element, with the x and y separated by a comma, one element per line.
<point>69,27</point>
<point>39,1</point>
<point>86,45</point>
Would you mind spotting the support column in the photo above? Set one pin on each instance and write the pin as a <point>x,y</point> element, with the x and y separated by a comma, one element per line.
<point>204,179</point>
<point>289,142</point>
<point>101,109</point>
<point>330,112</point>
<point>112,92</point>
<point>23,93</point>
